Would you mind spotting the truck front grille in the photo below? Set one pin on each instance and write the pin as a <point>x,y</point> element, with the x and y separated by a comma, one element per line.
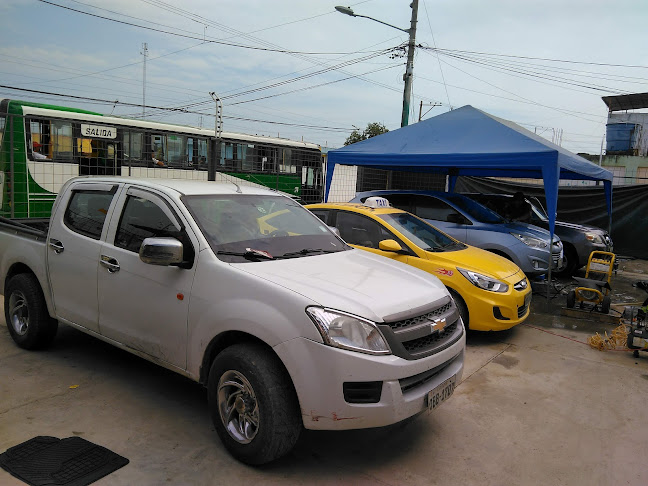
<point>416,345</point>
<point>412,321</point>
<point>422,335</point>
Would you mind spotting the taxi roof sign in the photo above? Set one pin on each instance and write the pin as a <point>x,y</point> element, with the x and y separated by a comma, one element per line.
<point>376,202</point>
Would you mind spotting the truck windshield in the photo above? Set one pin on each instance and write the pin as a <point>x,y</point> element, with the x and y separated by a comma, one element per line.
<point>474,209</point>
<point>421,233</point>
<point>245,228</point>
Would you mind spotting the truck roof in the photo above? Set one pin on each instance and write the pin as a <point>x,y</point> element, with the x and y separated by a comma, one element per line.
<point>185,186</point>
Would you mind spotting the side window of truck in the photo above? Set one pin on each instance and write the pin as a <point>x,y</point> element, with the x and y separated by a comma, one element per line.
<point>143,218</point>
<point>86,212</point>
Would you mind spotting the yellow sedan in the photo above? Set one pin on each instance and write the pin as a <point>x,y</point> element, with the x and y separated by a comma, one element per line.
<point>491,292</point>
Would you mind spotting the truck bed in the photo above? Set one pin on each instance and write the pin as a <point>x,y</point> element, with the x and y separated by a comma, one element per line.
<point>34,227</point>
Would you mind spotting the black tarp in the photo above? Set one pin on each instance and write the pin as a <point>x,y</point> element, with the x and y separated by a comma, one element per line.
<point>586,205</point>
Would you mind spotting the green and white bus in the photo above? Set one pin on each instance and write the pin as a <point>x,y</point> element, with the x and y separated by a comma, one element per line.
<point>42,146</point>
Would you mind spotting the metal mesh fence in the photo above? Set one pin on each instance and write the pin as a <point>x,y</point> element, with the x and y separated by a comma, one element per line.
<point>38,155</point>
<point>348,180</point>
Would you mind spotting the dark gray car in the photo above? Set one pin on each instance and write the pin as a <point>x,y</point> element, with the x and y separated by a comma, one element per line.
<point>579,240</point>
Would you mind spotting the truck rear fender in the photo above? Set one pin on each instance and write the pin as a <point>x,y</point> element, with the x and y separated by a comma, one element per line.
<point>18,268</point>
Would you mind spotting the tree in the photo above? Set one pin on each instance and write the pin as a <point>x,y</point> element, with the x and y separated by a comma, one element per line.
<point>372,130</point>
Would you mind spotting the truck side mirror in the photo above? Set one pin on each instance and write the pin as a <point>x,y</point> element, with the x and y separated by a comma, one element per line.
<point>161,251</point>
<point>390,245</point>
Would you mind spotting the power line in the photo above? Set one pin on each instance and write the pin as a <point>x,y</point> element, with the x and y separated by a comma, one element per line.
<point>212,41</point>
<point>532,74</point>
<point>538,58</point>
<point>167,109</point>
<point>438,60</point>
<point>567,112</point>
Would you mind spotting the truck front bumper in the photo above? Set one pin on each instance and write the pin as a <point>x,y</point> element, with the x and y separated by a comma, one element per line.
<point>319,373</point>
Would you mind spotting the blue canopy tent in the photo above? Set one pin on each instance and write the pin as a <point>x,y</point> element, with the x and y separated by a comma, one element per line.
<point>470,142</point>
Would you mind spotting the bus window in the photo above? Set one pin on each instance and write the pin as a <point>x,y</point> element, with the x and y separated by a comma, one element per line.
<point>84,147</point>
<point>203,155</point>
<point>133,145</point>
<point>177,152</point>
<point>247,162</point>
<point>158,150</point>
<point>40,140</point>
<point>61,138</point>
<point>288,161</point>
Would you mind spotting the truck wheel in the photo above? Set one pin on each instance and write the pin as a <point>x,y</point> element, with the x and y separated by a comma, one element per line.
<point>461,307</point>
<point>253,404</point>
<point>605,306</point>
<point>28,320</point>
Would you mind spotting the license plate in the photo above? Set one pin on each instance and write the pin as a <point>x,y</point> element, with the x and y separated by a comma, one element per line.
<point>527,299</point>
<point>441,393</point>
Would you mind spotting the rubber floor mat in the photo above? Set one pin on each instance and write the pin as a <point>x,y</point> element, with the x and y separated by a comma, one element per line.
<point>45,461</point>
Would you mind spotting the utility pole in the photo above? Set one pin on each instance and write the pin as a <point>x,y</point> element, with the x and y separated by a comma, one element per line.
<point>144,53</point>
<point>218,131</point>
<point>431,105</point>
<point>409,70</point>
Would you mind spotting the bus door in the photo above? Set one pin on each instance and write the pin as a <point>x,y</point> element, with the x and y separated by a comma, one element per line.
<point>98,157</point>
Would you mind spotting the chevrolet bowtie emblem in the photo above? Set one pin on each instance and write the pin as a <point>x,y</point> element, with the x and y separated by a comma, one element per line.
<point>438,324</point>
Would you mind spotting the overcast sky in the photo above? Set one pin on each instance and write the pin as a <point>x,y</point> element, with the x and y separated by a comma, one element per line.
<point>273,60</point>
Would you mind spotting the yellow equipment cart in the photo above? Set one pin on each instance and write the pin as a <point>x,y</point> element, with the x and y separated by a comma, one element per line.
<point>594,288</point>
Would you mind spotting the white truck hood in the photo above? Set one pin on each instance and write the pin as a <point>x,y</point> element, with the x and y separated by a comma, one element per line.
<point>353,281</point>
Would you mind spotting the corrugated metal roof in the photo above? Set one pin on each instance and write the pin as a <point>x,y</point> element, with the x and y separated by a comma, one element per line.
<point>626,102</point>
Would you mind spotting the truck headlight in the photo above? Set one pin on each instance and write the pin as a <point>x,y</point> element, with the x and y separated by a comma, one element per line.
<point>531,241</point>
<point>594,237</point>
<point>348,332</point>
<point>483,281</point>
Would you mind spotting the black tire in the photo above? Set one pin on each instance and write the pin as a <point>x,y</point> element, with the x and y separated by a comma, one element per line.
<point>605,305</point>
<point>571,299</point>
<point>272,404</point>
<point>629,344</point>
<point>462,308</point>
<point>570,262</point>
<point>28,320</point>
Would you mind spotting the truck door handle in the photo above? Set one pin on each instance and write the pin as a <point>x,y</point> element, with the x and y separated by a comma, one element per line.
<point>56,245</point>
<point>110,263</point>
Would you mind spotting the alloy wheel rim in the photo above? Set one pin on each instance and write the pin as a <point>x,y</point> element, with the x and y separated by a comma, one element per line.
<point>19,313</point>
<point>238,406</point>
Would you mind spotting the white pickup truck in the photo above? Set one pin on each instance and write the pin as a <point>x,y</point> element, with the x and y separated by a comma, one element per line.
<point>286,325</point>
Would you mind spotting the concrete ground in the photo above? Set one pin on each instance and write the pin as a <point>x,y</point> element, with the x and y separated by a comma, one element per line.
<point>536,406</point>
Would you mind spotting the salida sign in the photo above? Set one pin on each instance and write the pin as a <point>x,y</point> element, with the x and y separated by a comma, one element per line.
<point>98,131</point>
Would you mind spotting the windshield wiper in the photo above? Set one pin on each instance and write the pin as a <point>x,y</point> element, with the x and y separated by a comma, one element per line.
<point>441,248</point>
<point>305,251</point>
<point>249,253</point>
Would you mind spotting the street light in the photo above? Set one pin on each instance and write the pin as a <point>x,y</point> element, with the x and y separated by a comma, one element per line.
<point>409,70</point>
